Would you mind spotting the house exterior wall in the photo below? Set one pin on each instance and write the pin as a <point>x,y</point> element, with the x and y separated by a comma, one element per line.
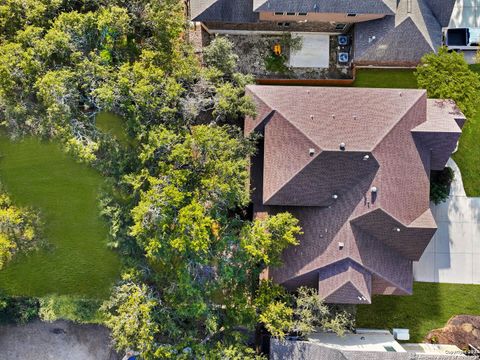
<point>320,17</point>
<point>270,26</point>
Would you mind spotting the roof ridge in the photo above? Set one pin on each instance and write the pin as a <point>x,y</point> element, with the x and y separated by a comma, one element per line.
<point>423,93</point>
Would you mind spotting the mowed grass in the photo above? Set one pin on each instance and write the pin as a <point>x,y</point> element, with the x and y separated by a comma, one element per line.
<point>430,307</point>
<point>467,156</point>
<point>386,78</point>
<point>78,262</point>
<point>114,125</point>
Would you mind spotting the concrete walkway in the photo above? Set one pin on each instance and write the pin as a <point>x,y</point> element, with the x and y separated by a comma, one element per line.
<point>453,255</point>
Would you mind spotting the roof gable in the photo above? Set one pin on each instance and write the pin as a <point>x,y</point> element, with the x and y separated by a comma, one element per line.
<point>408,240</point>
<point>344,282</point>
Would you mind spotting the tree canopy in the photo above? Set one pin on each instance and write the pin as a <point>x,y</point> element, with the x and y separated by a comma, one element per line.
<point>178,206</point>
<point>446,75</point>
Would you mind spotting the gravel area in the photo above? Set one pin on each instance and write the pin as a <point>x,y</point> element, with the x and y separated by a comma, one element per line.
<point>59,340</point>
<point>254,49</point>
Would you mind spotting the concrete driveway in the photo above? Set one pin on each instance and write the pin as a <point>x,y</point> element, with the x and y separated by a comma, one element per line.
<point>453,255</point>
<point>60,340</point>
<point>315,51</point>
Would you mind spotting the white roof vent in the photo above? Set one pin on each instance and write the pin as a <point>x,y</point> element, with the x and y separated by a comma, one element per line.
<point>374,189</point>
<point>396,229</point>
<point>366,157</point>
<point>311,151</point>
<point>334,196</point>
<point>342,146</point>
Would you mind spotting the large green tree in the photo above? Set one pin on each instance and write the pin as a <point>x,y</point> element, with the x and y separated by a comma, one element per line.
<point>446,75</point>
<point>177,206</point>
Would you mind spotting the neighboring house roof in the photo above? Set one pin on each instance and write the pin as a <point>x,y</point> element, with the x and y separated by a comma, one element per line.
<point>295,349</point>
<point>246,11</point>
<point>339,6</point>
<point>442,9</point>
<point>228,11</point>
<point>362,242</point>
<point>415,30</point>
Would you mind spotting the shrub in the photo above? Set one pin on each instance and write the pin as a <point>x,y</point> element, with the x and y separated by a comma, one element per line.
<point>219,54</point>
<point>66,307</point>
<point>276,63</point>
<point>18,310</point>
<point>440,182</point>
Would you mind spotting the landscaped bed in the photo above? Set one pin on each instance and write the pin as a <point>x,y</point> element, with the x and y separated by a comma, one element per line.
<point>430,307</point>
<point>77,261</point>
<point>257,58</point>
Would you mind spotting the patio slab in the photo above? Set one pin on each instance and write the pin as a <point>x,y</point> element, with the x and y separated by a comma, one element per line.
<point>315,51</point>
<point>453,254</point>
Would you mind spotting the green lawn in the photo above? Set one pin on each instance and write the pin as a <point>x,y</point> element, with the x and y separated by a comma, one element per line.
<point>114,125</point>
<point>41,175</point>
<point>430,307</point>
<point>382,78</point>
<point>468,155</point>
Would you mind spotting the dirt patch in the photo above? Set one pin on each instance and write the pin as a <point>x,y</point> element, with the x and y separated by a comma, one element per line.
<point>460,330</point>
<point>59,340</point>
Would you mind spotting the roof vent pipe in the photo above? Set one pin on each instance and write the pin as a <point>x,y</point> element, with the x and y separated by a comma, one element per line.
<point>311,151</point>
<point>366,157</point>
<point>342,146</point>
<point>374,189</point>
<point>334,196</point>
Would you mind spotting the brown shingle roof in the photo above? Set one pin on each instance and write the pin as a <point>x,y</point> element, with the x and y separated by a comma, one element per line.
<point>392,138</point>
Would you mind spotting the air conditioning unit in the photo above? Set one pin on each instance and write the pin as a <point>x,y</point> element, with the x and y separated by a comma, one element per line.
<point>343,40</point>
<point>343,57</point>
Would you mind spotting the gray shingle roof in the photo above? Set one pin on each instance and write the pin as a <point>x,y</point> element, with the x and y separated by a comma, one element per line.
<point>442,9</point>
<point>245,11</point>
<point>386,7</point>
<point>229,11</point>
<point>403,38</point>
<point>307,350</point>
